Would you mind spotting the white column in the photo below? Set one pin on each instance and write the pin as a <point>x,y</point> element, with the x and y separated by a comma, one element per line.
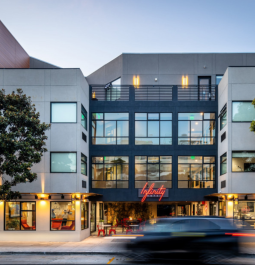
<point>229,208</point>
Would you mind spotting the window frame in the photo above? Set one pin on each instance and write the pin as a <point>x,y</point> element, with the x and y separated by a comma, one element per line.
<point>115,164</point>
<point>147,128</point>
<point>62,102</point>
<point>69,220</point>
<point>147,163</point>
<point>61,152</point>
<point>201,137</point>
<point>202,165</point>
<point>86,163</point>
<point>248,151</point>
<point>85,215</point>
<point>222,163</point>
<point>20,202</point>
<point>116,137</point>
<point>86,117</point>
<point>216,79</point>
<point>233,101</point>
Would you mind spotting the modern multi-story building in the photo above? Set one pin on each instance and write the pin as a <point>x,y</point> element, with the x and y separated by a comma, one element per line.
<point>145,135</point>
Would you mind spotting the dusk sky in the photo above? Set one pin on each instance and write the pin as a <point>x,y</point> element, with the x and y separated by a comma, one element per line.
<point>87,34</point>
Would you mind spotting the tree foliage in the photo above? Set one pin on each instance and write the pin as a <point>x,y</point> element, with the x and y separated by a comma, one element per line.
<point>22,141</point>
<point>252,127</point>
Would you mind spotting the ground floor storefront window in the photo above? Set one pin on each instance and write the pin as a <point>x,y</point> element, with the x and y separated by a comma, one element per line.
<point>20,216</point>
<point>222,208</point>
<point>244,210</point>
<point>62,216</point>
<point>84,215</point>
<point>117,211</point>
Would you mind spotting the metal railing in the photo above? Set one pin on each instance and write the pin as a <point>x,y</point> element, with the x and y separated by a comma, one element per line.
<point>197,93</point>
<point>110,93</point>
<point>153,93</point>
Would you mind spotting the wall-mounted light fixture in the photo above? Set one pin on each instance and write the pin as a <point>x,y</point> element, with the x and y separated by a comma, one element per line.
<point>185,81</point>
<point>36,197</point>
<point>94,95</point>
<point>62,197</point>
<point>136,81</point>
<point>49,197</point>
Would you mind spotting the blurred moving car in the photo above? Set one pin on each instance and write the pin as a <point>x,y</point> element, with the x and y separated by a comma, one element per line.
<point>206,238</point>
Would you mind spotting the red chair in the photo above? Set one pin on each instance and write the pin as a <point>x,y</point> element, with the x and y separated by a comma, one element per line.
<point>112,230</point>
<point>70,227</point>
<point>139,219</point>
<point>100,230</point>
<point>56,223</point>
<point>117,223</point>
<point>26,226</point>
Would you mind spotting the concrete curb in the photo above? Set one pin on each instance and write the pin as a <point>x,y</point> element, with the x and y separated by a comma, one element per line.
<point>62,253</point>
<point>84,253</point>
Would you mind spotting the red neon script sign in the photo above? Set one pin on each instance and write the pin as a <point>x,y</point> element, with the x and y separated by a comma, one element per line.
<point>151,191</point>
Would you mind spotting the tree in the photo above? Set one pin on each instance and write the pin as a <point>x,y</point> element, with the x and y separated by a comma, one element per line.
<point>252,127</point>
<point>22,141</point>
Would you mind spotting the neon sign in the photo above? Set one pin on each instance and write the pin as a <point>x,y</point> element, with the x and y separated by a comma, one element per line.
<point>160,192</point>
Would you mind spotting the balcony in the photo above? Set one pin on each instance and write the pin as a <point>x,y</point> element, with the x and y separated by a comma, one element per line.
<point>153,93</point>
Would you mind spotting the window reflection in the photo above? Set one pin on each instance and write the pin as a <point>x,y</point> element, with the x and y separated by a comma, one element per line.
<point>153,128</point>
<point>196,128</point>
<point>62,216</point>
<point>110,172</point>
<point>196,172</point>
<point>153,169</point>
<point>243,161</point>
<point>110,128</point>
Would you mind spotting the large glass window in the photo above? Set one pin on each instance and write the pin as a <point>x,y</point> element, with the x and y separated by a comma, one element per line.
<point>83,117</point>
<point>223,120</point>
<point>223,164</point>
<point>153,128</point>
<point>62,216</point>
<point>63,112</point>
<point>218,79</point>
<point>243,161</point>
<point>196,128</point>
<point>243,111</point>
<point>83,164</point>
<point>63,162</point>
<point>196,172</point>
<point>110,128</point>
<point>153,169</point>
<point>20,216</point>
<point>84,215</point>
<point>110,172</point>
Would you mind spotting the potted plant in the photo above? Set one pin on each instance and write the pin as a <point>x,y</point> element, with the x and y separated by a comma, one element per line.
<point>101,223</point>
<point>12,224</point>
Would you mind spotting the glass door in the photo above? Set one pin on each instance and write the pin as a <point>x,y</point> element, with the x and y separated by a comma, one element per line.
<point>93,217</point>
<point>204,88</point>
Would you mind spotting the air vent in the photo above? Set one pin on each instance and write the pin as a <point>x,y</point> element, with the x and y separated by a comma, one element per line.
<point>223,136</point>
<point>223,184</point>
<point>84,137</point>
<point>84,184</point>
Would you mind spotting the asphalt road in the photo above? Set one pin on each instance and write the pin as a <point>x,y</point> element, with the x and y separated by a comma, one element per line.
<point>91,259</point>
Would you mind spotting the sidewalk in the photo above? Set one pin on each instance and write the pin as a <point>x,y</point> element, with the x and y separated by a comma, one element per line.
<point>90,246</point>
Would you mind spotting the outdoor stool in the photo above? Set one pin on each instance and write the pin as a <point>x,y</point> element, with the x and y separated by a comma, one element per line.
<point>100,230</point>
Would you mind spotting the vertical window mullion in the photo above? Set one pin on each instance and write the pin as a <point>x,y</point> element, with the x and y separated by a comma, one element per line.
<point>116,133</point>
<point>189,132</point>
<point>20,216</point>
